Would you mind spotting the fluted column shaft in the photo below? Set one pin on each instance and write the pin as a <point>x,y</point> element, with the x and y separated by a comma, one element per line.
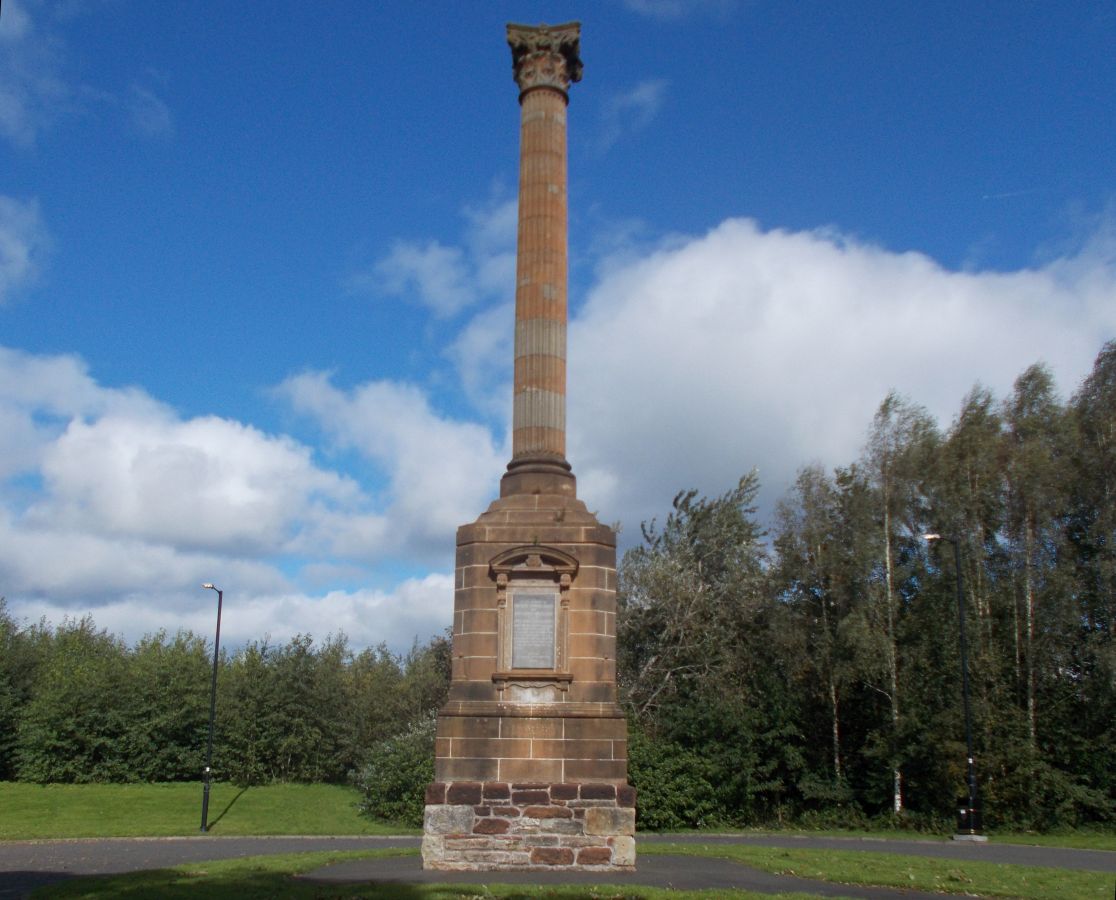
<point>539,410</point>
<point>545,61</point>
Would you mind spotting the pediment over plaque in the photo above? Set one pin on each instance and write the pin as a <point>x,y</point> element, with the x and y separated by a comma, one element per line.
<point>533,561</point>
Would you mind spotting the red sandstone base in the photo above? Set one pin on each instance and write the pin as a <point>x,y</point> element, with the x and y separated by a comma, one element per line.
<point>481,826</point>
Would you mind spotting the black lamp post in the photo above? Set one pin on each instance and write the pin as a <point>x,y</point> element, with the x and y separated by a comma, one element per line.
<point>968,818</point>
<point>212,712</point>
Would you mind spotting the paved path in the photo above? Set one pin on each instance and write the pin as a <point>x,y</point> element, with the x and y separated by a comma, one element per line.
<point>28,864</point>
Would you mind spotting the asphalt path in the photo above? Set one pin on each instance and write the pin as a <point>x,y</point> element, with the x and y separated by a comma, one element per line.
<point>25,865</point>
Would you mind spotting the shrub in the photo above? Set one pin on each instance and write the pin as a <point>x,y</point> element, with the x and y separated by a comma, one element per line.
<point>394,779</point>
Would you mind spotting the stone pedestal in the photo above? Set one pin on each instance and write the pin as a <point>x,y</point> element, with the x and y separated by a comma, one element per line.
<point>527,825</point>
<point>531,755</point>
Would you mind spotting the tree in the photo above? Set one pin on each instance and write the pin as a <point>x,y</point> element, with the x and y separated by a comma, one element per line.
<point>900,453</point>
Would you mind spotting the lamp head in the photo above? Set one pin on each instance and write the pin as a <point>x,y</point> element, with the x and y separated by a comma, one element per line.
<point>931,537</point>
<point>208,586</point>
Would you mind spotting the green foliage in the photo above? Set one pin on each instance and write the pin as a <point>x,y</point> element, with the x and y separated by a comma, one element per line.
<point>393,781</point>
<point>674,784</point>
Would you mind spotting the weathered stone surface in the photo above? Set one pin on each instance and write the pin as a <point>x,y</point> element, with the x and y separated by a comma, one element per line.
<point>598,792</point>
<point>552,856</point>
<point>464,792</point>
<point>594,856</point>
<point>435,794</point>
<point>547,812</point>
<point>605,820</point>
<point>522,798</point>
<point>563,791</point>
<point>448,819</point>
<point>491,826</point>
<point>623,850</point>
<point>496,790</point>
<point>626,796</point>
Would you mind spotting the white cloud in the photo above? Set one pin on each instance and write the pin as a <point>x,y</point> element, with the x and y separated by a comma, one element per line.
<point>37,86</point>
<point>676,9</point>
<point>205,483</point>
<point>448,279</point>
<point>23,241</point>
<point>31,86</point>
<point>630,111</point>
<point>745,348</point>
<point>436,275</point>
<point>441,472</point>
<point>416,608</point>
<point>110,503</point>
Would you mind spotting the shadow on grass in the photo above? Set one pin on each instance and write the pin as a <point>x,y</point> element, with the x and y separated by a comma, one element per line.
<point>225,811</point>
<point>175,885</point>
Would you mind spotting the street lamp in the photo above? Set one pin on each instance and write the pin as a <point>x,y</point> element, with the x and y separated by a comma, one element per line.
<point>968,818</point>
<point>212,711</point>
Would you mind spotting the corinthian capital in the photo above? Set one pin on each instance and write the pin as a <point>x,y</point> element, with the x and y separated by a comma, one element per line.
<point>545,56</point>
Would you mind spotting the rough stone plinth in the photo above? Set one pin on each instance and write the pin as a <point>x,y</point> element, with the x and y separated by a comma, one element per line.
<point>529,825</point>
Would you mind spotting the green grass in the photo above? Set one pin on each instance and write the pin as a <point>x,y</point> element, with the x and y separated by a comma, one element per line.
<point>32,811</point>
<point>1074,840</point>
<point>257,878</point>
<point>913,873</point>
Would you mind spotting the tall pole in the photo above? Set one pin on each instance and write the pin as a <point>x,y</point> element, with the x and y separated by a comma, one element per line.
<point>545,62</point>
<point>212,712</point>
<point>968,821</point>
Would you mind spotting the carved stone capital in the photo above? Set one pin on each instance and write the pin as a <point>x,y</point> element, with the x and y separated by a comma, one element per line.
<point>545,56</point>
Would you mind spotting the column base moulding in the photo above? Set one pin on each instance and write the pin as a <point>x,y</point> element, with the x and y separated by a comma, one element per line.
<point>492,826</point>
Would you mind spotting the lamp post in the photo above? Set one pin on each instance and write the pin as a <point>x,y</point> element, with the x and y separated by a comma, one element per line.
<point>212,712</point>
<point>968,819</point>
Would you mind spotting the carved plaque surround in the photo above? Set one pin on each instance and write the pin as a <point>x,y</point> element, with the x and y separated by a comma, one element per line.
<point>530,575</point>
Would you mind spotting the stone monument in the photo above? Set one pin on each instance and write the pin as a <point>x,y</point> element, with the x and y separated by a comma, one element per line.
<point>531,757</point>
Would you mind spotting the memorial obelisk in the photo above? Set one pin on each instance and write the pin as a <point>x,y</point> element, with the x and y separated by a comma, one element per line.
<point>531,756</point>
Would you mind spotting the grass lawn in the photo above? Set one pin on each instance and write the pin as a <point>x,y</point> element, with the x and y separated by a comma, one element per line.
<point>160,810</point>
<point>276,876</point>
<point>911,872</point>
<point>1076,840</point>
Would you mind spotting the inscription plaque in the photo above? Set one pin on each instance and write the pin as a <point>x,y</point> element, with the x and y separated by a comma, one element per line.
<point>533,629</point>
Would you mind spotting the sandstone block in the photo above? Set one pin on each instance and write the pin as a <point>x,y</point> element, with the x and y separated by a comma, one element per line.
<point>552,856</point>
<point>491,826</point>
<point>446,819</point>
<point>623,850</point>
<point>606,820</point>
<point>461,792</point>
<point>563,792</point>
<point>547,812</point>
<point>496,790</point>
<point>594,856</point>
<point>435,794</point>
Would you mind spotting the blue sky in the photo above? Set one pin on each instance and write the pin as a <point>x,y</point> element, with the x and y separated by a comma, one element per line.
<point>256,265</point>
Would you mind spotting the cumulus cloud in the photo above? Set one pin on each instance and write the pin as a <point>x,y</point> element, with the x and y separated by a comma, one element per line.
<point>113,504</point>
<point>441,471</point>
<point>745,347</point>
<point>418,608</point>
<point>447,279</point>
<point>23,241</point>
